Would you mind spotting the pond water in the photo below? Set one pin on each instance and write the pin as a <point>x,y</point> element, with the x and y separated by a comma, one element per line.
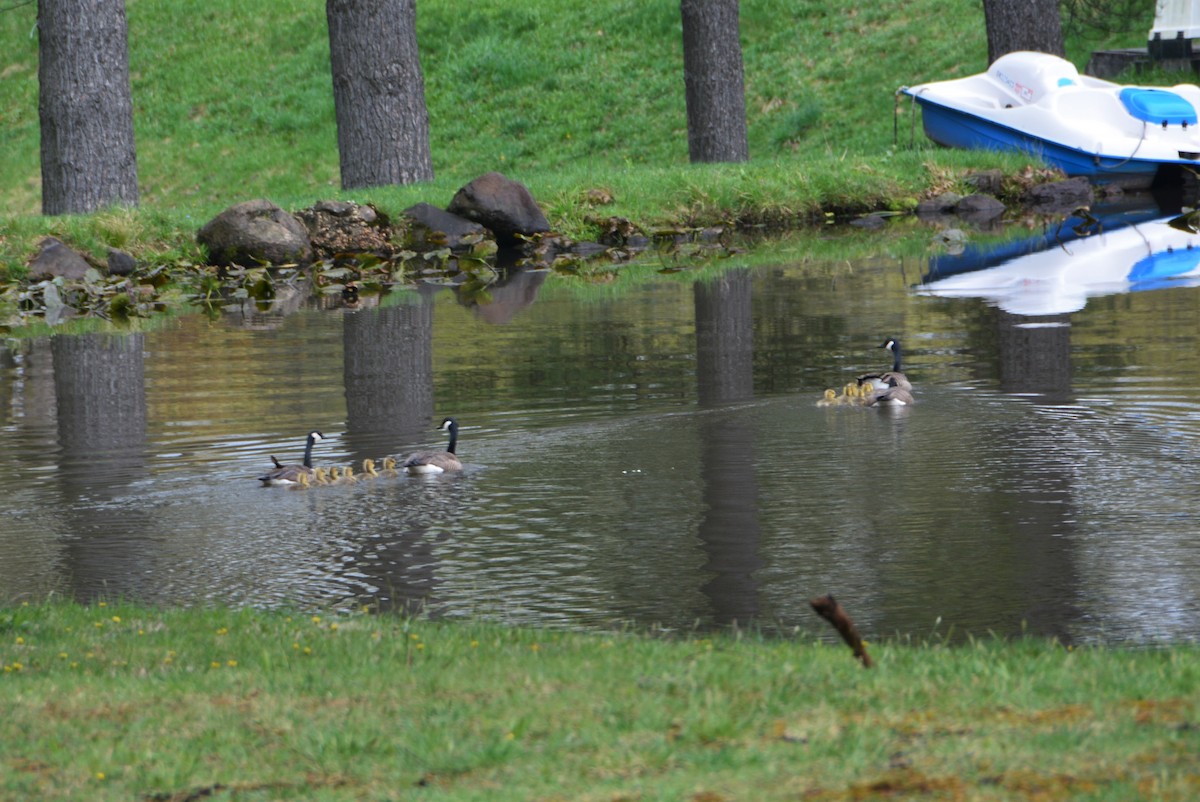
<point>645,454</point>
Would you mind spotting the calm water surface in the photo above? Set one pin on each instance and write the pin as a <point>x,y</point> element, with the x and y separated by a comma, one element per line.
<point>649,456</point>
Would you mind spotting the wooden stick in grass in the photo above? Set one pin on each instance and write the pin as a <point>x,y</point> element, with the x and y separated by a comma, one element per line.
<point>828,608</point>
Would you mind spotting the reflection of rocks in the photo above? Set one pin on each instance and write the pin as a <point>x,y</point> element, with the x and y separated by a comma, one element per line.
<point>344,227</point>
<point>255,232</point>
<point>250,313</point>
<point>504,207</point>
<point>515,290</point>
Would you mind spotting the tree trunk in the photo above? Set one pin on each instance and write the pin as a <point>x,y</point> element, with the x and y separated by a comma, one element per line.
<point>1022,25</point>
<point>712,77</point>
<point>378,92</point>
<point>89,160</point>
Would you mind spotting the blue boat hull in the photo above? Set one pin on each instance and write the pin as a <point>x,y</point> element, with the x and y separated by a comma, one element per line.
<point>954,128</point>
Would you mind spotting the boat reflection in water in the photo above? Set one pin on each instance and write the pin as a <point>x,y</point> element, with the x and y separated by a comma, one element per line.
<point>1056,272</point>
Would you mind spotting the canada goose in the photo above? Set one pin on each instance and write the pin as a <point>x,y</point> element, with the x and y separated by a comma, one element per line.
<point>830,399</point>
<point>389,466</point>
<point>436,461</point>
<point>283,475</point>
<point>301,482</point>
<point>893,395</point>
<point>347,476</point>
<point>320,476</point>
<point>368,469</point>
<point>881,381</point>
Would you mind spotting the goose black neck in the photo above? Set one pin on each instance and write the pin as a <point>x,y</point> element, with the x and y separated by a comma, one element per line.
<point>308,453</point>
<point>453,427</point>
<point>895,357</point>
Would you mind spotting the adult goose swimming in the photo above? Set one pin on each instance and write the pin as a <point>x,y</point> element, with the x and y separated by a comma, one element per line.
<point>893,395</point>
<point>283,475</point>
<point>427,462</point>
<point>882,381</point>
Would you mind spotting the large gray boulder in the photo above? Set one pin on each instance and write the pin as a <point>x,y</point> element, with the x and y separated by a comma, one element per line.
<point>255,232</point>
<point>501,205</point>
<point>54,258</point>
<point>431,227</point>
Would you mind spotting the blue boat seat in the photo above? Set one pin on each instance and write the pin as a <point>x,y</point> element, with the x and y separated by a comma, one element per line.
<point>1158,106</point>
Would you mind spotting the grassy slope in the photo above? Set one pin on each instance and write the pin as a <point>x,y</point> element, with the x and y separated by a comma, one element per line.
<point>233,100</point>
<point>119,702</point>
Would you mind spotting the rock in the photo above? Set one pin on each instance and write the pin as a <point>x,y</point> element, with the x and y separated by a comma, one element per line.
<point>978,203</point>
<point>979,208</point>
<point>989,182</point>
<point>942,204</point>
<point>431,227</point>
<point>255,232</point>
<point>55,259</point>
<point>1061,195</point>
<point>345,227</point>
<point>504,207</point>
<point>120,263</point>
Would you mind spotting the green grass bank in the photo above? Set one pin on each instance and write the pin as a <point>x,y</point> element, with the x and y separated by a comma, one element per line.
<point>120,702</point>
<point>233,101</point>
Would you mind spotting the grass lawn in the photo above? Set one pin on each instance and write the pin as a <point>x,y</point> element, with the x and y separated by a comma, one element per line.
<point>121,702</point>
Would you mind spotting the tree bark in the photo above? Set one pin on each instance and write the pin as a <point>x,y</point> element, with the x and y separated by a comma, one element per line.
<point>713,80</point>
<point>85,107</point>
<point>378,92</point>
<point>1023,25</point>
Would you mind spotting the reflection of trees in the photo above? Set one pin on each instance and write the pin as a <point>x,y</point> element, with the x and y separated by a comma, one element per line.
<point>401,566</point>
<point>1035,355</point>
<point>99,384</point>
<point>1035,359</point>
<point>729,531</point>
<point>724,338</point>
<point>388,374</point>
